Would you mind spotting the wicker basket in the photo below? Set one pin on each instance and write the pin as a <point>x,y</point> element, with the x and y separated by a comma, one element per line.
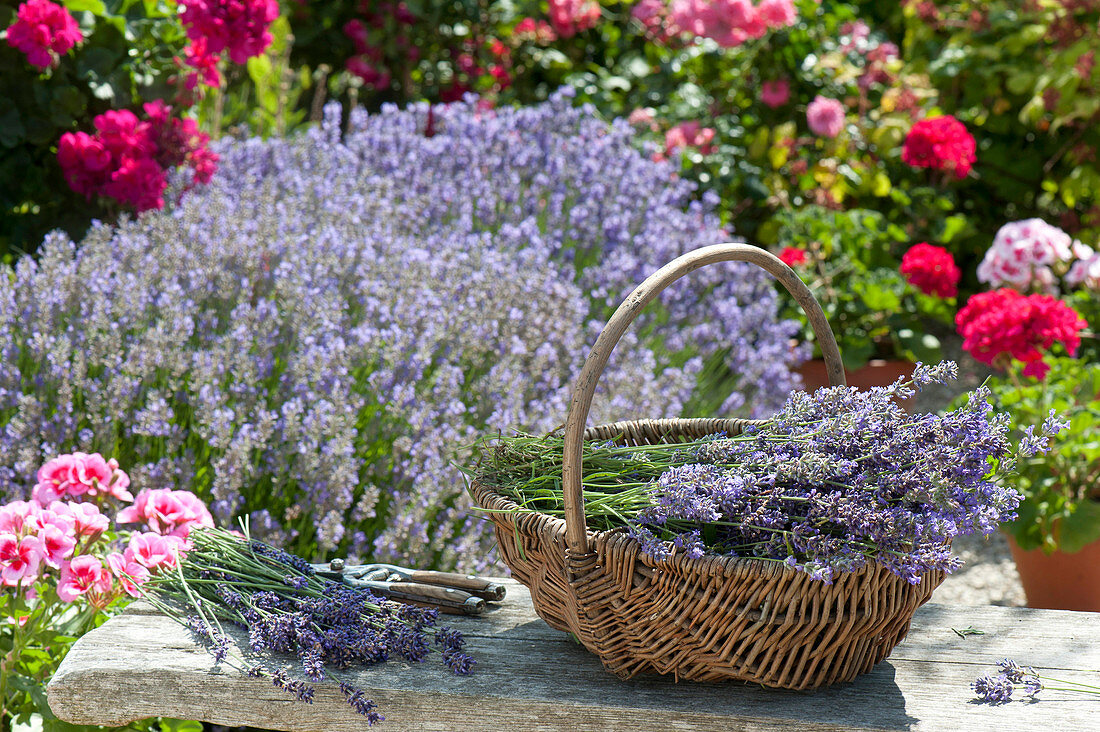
<point>707,619</point>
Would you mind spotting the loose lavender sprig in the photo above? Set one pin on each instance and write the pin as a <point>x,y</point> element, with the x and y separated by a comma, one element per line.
<point>837,478</point>
<point>998,689</point>
<point>287,608</point>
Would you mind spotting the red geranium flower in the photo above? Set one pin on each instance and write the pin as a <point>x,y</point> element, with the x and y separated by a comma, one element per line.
<point>1005,324</point>
<point>940,143</point>
<point>931,270</point>
<point>792,256</point>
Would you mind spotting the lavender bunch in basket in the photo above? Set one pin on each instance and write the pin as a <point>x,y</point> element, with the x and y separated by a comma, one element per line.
<point>835,480</point>
<point>286,608</point>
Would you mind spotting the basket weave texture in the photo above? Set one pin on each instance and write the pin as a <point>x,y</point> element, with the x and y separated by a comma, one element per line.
<point>711,618</point>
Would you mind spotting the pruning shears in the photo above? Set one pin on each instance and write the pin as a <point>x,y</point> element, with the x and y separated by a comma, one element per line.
<point>457,594</point>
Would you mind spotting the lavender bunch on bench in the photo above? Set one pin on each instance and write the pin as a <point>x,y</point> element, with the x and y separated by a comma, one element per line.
<point>287,608</point>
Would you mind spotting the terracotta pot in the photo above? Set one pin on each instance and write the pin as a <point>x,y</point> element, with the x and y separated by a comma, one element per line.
<point>877,372</point>
<point>1060,581</point>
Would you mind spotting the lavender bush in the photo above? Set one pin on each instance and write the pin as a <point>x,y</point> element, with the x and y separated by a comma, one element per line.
<point>311,339</point>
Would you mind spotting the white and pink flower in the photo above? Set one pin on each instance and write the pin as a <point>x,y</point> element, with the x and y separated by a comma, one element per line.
<point>19,559</point>
<point>130,573</point>
<point>57,544</point>
<point>1085,272</point>
<point>1029,255</point>
<point>84,575</point>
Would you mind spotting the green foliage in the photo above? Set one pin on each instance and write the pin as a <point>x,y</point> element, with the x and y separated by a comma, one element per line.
<point>1061,489</point>
<point>852,267</point>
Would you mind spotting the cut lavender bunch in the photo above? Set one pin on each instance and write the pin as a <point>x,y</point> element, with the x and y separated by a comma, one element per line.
<point>836,479</point>
<point>998,689</point>
<point>287,608</point>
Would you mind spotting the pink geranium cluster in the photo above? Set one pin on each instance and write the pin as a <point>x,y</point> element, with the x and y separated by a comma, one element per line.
<point>536,31</point>
<point>775,93</point>
<point>931,269</point>
<point>1003,324</point>
<point>730,22</point>
<point>127,159</point>
<point>1031,255</point>
<point>57,536</point>
<point>825,117</point>
<point>81,474</point>
<point>44,31</point>
<point>241,27</point>
<point>940,143</point>
<point>689,134</point>
<point>570,17</point>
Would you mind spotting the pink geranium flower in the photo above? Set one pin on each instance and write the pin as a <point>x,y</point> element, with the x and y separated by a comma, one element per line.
<point>80,474</point>
<point>130,574</point>
<point>14,515</point>
<point>775,93</point>
<point>825,116</point>
<point>57,545</point>
<point>777,13</point>
<point>86,517</point>
<point>43,31</point>
<point>689,134</point>
<point>19,559</point>
<point>152,550</point>
<point>83,575</point>
<point>167,512</point>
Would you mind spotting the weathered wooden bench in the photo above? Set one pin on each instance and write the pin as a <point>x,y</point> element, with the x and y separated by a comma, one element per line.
<point>531,677</point>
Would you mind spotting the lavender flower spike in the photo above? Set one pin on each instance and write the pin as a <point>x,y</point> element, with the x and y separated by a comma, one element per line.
<point>993,689</point>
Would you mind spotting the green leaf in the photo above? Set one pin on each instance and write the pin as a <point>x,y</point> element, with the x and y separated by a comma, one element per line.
<point>856,353</point>
<point>11,127</point>
<point>876,297</point>
<point>96,63</point>
<point>1080,528</point>
<point>92,6</point>
<point>952,226</point>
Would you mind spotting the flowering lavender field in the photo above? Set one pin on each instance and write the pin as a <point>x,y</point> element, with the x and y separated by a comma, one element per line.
<point>314,338</point>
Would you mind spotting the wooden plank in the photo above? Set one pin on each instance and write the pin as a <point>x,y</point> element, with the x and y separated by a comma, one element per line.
<point>532,677</point>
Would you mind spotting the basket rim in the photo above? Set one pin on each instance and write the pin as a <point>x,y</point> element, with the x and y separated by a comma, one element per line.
<point>709,564</point>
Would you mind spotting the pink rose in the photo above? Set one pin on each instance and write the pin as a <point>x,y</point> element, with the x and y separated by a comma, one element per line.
<point>775,93</point>
<point>85,574</point>
<point>825,116</point>
<point>19,559</point>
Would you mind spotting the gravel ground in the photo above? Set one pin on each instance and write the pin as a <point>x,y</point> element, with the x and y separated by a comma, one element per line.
<point>988,575</point>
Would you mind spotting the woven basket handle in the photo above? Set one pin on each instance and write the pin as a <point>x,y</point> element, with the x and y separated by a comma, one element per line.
<point>584,387</point>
